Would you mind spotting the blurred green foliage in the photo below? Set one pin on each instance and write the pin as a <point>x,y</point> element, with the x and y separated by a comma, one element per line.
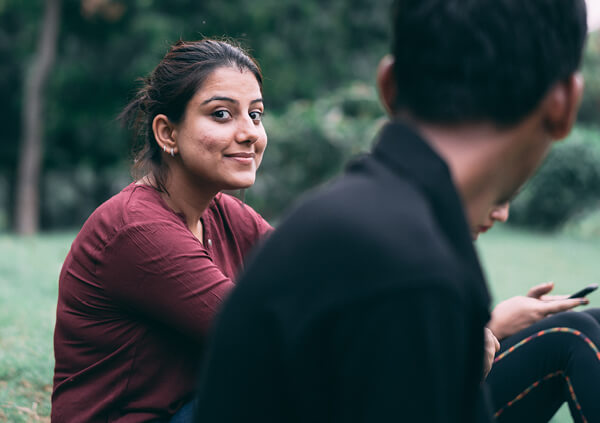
<point>310,143</point>
<point>586,225</point>
<point>307,49</point>
<point>318,59</point>
<point>567,184</point>
<point>589,112</point>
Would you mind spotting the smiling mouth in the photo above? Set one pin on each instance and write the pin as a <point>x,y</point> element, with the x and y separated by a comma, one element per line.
<point>245,159</point>
<point>241,155</point>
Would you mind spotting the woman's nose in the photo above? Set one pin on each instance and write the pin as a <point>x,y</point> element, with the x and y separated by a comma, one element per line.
<point>247,131</point>
<point>500,213</point>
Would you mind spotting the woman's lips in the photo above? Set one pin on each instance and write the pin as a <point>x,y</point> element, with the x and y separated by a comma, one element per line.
<point>483,229</point>
<point>242,158</point>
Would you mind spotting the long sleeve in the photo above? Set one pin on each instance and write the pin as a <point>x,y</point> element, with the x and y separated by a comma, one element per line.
<point>161,271</point>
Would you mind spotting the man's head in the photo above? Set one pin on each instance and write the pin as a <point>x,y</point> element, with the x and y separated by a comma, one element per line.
<point>490,83</point>
<point>460,61</point>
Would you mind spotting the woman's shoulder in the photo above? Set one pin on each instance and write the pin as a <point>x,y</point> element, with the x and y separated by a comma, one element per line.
<point>232,205</point>
<point>134,206</point>
<point>231,211</point>
<point>144,203</point>
<point>133,203</point>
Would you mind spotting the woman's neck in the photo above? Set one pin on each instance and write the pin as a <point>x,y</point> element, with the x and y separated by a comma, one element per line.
<point>187,198</point>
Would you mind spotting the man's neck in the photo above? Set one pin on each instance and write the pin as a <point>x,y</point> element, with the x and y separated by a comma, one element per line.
<point>477,157</point>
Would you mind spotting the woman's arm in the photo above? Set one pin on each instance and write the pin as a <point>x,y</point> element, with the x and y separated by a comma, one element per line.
<point>162,272</point>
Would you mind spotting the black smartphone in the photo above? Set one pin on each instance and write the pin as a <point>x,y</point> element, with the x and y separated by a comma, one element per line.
<point>585,291</point>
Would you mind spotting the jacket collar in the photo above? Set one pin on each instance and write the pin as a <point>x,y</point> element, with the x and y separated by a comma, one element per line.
<point>402,149</point>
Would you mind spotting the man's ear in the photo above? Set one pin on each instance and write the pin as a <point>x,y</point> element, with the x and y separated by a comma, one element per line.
<point>386,83</point>
<point>562,105</point>
<point>164,133</point>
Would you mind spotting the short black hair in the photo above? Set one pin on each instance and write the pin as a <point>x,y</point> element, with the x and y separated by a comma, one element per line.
<point>459,61</point>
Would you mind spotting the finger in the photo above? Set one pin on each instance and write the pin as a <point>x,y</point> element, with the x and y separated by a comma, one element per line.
<point>552,307</point>
<point>488,334</point>
<point>553,297</point>
<point>491,341</point>
<point>541,289</point>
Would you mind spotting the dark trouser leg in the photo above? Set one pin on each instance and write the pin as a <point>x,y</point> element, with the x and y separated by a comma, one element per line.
<point>594,312</point>
<point>552,361</point>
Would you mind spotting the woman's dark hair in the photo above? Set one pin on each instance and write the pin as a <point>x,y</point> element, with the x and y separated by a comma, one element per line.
<point>168,89</point>
<point>460,61</point>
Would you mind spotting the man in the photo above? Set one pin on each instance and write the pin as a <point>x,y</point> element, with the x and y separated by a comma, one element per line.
<point>368,303</point>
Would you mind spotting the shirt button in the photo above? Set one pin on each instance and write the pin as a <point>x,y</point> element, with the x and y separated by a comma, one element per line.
<point>209,243</point>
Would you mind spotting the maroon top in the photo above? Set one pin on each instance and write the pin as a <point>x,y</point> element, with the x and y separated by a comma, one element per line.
<point>137,294</point>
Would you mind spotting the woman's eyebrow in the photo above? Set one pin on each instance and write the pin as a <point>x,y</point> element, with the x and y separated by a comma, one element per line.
<point>218,98</point>
<point>231,100</point>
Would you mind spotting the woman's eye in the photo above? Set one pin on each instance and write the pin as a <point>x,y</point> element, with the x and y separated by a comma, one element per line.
<point>222,114</point>
<point>256,116</point>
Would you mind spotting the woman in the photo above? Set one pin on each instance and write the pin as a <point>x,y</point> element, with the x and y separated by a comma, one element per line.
<point>547,355</point>
<point>151,266</point>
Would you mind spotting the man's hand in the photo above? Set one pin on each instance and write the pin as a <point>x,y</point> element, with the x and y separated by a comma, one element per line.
<point>491,347</point>
<point>517,313</point>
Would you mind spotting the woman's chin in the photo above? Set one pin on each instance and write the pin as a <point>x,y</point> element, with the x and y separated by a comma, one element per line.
<point>240,184</point>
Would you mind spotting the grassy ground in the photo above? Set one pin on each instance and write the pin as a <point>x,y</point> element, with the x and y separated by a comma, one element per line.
<point>29,269</point>
<point>516,260</point>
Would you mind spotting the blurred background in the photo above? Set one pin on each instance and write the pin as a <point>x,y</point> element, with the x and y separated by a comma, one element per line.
<point>67,67</point>
<point>318,60</point>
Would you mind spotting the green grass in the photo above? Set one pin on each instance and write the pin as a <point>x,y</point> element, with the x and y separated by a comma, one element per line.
<point>29,268</point>
<point>514,261</point>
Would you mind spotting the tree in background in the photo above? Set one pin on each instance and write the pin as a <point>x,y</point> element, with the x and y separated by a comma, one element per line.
<point>31,151</point>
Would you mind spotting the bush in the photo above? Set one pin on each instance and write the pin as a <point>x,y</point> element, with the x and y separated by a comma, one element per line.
<point>310,143</point>
<point>586,225</point>
<point>566,185</point>
<point>70,196</point>
<point>588,113</point>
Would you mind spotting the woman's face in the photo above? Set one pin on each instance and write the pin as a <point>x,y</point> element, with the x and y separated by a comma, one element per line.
<point>497,213</point>
<point>221,139</point>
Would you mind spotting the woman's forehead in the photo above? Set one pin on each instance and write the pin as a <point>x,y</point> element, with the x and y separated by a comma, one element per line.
<point>231,80</point>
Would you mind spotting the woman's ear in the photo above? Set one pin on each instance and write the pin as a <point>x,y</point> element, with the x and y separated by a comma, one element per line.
<point>386,83</point>
<point>164,132</point>
<point>562,105</point>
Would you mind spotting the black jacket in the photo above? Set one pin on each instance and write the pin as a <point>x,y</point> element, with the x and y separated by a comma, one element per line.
<point>367,304</point>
